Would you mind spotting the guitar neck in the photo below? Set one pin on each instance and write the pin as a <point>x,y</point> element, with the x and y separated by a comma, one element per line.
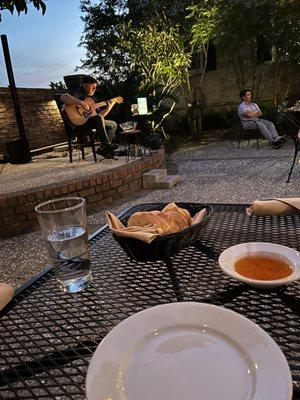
<point>105,103</point>
<point>100,104</point>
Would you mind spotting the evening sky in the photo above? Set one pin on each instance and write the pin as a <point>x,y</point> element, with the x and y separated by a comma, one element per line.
<point>43,48</point>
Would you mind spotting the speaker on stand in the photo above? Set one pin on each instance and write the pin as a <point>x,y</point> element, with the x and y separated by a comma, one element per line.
<point>18,151</point>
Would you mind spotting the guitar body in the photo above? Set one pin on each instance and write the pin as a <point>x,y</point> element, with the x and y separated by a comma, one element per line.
<point>78,115</point>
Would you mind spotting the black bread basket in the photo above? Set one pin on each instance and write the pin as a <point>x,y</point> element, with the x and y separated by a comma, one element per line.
<point>166,246</point>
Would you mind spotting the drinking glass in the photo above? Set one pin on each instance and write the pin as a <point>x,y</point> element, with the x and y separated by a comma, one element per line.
<point>63,224</point>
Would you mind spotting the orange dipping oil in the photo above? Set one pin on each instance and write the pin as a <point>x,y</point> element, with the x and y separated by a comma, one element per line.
<point>262,268</point>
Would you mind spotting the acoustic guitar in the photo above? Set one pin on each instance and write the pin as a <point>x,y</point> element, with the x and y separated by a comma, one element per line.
<point>78,115</point>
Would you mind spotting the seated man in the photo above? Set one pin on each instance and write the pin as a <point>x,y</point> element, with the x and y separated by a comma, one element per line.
<point>249,112</point>
<point>105,129</point>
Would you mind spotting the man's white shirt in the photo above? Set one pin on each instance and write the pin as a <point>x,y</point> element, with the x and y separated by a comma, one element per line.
<point>247,107</point>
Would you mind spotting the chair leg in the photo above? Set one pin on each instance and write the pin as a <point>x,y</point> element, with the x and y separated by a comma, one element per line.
<point>92,142</point>
<point>127,147</point>
<point>82,151</point>
<point>294,160</point>
<point>70,149</point>
<point>139,144</point>
<point>136,145</point>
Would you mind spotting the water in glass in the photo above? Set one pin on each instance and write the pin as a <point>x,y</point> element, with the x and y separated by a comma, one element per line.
<point>68,250</point>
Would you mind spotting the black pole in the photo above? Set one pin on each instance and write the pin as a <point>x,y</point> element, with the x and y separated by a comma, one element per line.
<point>14,94</point>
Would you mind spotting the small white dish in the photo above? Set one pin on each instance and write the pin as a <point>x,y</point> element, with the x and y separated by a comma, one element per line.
<point>188,351</point>
<point>231,255</point>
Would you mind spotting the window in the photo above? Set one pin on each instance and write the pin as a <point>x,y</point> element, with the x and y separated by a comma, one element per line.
<point>264,50</point>
<point>198,60</point>
<point>211,58</point>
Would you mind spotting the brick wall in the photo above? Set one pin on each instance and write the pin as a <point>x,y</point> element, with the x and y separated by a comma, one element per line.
<point>222,92</point>
<point>41,117</point>
<point>17,213</point>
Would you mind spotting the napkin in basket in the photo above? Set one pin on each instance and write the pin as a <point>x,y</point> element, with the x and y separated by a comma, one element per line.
<point>6,294</point>
<point>283,206</point>
<point>146,233</point>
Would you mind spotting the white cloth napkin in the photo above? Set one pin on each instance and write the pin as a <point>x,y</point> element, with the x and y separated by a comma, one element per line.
<point>283,206</point>
<point>6,294</point>
<point>146,233</point>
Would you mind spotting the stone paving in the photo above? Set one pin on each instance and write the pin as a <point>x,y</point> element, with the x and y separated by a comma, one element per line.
<point>211,172</point>
<point>46,171</point>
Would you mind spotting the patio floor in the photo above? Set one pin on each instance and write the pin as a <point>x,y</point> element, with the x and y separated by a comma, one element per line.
<point>46,171</point>
<point>212,172</point>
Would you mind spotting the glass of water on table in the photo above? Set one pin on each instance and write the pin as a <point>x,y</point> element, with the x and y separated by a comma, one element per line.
<point>63,224</point>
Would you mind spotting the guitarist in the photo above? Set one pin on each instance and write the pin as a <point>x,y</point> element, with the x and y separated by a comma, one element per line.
<point>105,129</point>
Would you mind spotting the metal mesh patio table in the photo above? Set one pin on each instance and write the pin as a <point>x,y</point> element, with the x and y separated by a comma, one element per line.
<point>47,337</point>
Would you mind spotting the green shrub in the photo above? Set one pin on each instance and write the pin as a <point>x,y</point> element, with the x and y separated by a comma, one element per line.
<point>213,120</point>
<point>267,109</point>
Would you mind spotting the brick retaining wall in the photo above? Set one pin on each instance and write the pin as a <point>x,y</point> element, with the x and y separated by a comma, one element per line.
<point>17,213</point>
<point>41,116</point>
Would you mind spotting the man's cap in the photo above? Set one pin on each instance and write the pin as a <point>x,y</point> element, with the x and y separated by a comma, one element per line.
<point>88,79</point>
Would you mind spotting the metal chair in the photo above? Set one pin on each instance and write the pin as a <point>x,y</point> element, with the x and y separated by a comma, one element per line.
<point>248,134</point>
<point>80,139</point>
<point>292,129</point>
<point>77,137</point>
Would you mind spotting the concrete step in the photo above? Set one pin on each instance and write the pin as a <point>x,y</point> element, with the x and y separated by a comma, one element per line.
<point>151,177</point>
<point>168,182</point>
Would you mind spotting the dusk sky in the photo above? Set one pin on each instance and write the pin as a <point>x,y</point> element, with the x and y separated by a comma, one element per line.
<point>43,48</point>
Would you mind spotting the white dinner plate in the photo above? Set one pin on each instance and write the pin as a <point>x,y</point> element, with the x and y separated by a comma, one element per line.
<point>188,351</point>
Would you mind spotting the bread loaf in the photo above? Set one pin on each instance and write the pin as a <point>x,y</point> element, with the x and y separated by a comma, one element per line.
<point>169,223</point>
<point>177,218</point>
<point>182,211</point>
<point>145,218</point>
<point>169,220</point>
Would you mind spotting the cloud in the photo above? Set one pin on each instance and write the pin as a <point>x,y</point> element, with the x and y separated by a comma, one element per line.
<point>40,69</point>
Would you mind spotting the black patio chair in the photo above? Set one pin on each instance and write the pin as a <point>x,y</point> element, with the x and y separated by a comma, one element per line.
<point>77,137</point>
<point>291,123</point>
<point>247,134</point>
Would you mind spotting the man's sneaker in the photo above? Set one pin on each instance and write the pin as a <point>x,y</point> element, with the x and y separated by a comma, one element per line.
<point>105,152</point>
<point>279,141</point>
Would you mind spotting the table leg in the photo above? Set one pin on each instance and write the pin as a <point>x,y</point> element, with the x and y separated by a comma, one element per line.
<point>296,142</point>
<point>174,279</point>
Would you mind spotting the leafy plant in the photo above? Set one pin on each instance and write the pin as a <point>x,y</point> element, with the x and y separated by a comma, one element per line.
<point>21,6</point>
<point>159,57</point>
<point>203,20</point>
<point>214,120</point>
<point>268,110</point>
<point>58,87</point>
